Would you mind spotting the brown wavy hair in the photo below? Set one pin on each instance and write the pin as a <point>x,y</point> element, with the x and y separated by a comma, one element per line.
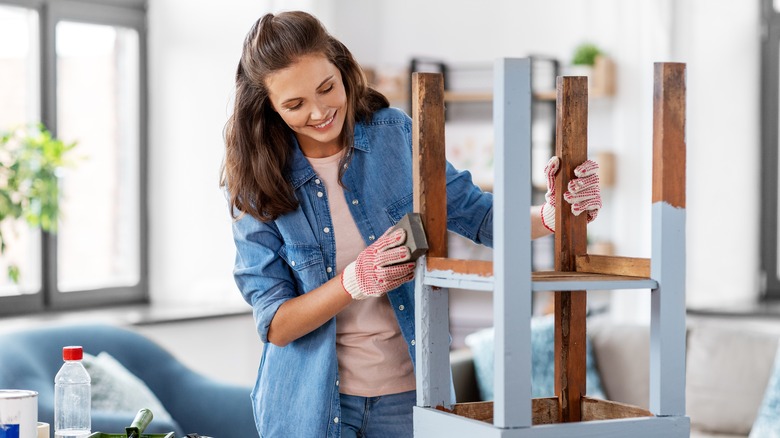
<point>258,143</point>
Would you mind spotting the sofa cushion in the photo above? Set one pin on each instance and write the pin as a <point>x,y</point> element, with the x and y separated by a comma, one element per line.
<point>542,361</point>
<point>115,389</point>
<point>767,425</point>
<point>622,351</point>
<point>727,373</point>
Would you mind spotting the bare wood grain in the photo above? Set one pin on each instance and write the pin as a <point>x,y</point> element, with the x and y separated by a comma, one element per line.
<point>542,276</point>
<point>613,265</point>
<point>428,163</point>
<point>480,411</point>
<point>544,410</point>
<point>597,409</point>
<point>669,134</point>
<point>469,267</point>
<point>571,147</point>
<point>626,270</point>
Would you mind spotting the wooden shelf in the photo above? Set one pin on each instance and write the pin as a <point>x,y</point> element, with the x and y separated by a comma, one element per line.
<point>468,96</point>
<point>478,275</point>
<point>545,95</point>
<point>471,96</point>
<point>487,96</point>
<point>479,96</point>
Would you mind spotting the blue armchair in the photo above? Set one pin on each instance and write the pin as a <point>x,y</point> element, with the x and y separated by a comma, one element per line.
<point>29,359</point>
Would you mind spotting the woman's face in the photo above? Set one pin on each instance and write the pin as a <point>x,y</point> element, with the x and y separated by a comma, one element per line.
<point>309,95</point>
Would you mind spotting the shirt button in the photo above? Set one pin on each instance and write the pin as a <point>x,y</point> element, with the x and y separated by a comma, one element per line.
<point>337,383</point>
<point>319,194</point>
<point>413,342</point>
<point>292,263</point>
<point>326,229</point>
<point>401,307</point>
<point>317,181</point>
<point>329,269</point>
<point>355,202</point>
<point>371,237</point>
<point>336,420</point>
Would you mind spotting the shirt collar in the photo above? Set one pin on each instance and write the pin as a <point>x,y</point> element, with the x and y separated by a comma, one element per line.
<point>300,169</point>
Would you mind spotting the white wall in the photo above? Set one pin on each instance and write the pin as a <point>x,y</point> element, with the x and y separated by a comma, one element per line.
<point>719,40</point>
<point>721,43</point>
<point>192,61</point>
<point>194,48</point>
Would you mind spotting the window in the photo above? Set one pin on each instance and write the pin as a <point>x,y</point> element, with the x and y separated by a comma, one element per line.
<point>79,67</point>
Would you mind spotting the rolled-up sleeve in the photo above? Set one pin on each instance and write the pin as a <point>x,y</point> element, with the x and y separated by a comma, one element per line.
<point>469,209</point>
<point>261,274</point>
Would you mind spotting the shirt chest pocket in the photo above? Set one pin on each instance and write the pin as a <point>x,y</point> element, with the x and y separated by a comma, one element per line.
<point>306,264</point>
<point>399,208</point>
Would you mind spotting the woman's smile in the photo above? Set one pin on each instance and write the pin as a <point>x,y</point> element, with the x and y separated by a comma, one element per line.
<point>326,123</point>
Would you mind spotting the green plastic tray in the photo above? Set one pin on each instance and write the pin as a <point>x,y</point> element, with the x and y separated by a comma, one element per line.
<point>142,419</point>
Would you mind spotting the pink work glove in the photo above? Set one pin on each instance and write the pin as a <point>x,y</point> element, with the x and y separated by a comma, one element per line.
<point>379,268</point>
<point>583,192</point>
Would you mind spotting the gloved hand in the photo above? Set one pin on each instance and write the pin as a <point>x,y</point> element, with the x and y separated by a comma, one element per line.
<point>379,268</point>
<point>584,193</point>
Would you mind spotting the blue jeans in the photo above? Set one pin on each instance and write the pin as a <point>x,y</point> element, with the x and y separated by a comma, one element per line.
<point>387,416</point>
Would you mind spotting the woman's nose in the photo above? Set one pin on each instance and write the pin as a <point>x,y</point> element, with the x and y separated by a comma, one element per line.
<point>319,110</point>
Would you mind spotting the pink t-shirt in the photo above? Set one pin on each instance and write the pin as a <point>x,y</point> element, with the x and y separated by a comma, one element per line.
<point>372,354</point>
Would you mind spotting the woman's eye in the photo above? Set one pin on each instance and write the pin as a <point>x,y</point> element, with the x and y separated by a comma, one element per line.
<point>328,90</point>
<point>294,107</point>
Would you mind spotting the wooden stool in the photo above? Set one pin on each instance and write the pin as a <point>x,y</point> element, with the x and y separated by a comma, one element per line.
<point>514,413</point>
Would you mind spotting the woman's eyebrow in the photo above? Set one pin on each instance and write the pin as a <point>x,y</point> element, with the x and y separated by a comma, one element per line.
<point>325,81</point>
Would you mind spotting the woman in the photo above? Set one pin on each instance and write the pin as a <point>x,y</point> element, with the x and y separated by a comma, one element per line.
<point>318,169</point>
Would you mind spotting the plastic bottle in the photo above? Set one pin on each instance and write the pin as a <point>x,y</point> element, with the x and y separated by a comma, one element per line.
<point>72,396</point>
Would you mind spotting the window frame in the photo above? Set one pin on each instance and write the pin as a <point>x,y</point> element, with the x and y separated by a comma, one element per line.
<point>124,13</point>
<point>770,78</point>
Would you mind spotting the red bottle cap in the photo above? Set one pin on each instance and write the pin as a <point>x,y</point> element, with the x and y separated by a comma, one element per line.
<point>72,353</point>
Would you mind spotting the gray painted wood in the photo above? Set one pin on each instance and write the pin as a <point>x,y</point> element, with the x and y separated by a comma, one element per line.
<point>476,282</point>
<point>440,279</point>
<point>433,423</point>
<point>667,323</point>
<point>511,243</point>
<point>432,343</point>
<point>593,285</point>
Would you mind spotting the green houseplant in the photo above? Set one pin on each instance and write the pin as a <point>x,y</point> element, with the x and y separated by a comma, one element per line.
<point>30,159</point>
<point>585,54</point>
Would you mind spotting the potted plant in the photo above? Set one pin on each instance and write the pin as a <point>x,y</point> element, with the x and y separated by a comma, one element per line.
<point>30,163</point>
<point>589,60</point>
<point>585,54</point>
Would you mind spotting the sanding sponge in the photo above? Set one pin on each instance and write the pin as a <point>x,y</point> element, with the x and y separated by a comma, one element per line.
<point>415,234</point>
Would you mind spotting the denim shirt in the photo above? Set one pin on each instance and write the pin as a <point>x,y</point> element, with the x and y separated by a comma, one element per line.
<point>297,388</point>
